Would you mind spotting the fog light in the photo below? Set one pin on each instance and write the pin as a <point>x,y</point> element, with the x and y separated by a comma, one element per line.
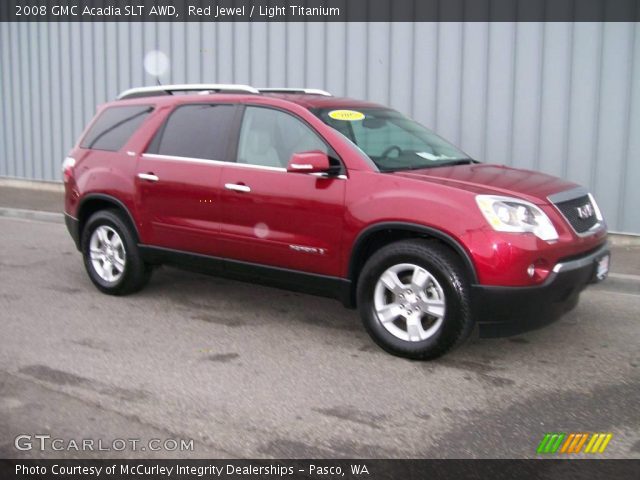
<point>538,271</point>
<point>531,270</point>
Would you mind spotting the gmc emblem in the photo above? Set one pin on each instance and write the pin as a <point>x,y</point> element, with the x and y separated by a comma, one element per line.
<point>585,211</point>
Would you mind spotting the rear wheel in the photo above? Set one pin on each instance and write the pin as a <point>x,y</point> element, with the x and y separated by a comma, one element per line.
<point>413,298</point>
<point>111,255</point>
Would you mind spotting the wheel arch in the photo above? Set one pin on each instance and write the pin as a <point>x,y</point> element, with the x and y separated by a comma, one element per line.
<point>381,234</point>
<point>95,202</point>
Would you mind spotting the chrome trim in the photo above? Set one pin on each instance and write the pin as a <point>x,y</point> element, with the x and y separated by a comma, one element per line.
<point>187,87</point>
<point>596,227</point>
<point>580,262</point>
<point>301,166</point>
<point>572,194</point>
<point>157,156</point>
<point>306,249</point>
<point>259,167</point>
<point>309,91</point>
<point>327,175</point>
<point>237,188</point>
<point>148,176</point>
<point>568,195</point>
<point>214,162</point>
<point>596,208</point>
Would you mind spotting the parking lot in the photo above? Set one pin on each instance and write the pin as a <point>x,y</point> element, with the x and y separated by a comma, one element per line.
<point>251,371</point>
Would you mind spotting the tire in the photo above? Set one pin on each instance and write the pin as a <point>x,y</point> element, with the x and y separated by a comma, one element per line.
<point>422,319</point>
<point>113,244</point>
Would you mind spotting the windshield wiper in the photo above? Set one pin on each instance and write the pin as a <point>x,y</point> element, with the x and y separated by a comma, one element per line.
<point>459,161</point>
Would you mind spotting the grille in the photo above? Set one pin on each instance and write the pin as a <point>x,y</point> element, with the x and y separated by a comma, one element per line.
<point>569,209</point>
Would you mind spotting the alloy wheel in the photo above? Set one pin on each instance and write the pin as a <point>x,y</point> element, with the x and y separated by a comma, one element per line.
<point>409,302</point>
<point>107,253</point>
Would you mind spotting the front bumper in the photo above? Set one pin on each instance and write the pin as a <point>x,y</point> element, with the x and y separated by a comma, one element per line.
<point>505,311</point>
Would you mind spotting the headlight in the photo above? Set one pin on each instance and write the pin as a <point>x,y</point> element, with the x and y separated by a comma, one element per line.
<point>507,214</point>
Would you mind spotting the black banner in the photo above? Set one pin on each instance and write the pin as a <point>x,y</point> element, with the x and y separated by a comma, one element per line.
<point>318,10</point>
<point>321,469</point>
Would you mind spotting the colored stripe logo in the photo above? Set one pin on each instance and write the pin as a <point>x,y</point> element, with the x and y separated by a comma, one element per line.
<point>574,443</point>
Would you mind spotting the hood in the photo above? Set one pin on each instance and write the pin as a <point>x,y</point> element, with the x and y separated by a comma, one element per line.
<point>494,179</point>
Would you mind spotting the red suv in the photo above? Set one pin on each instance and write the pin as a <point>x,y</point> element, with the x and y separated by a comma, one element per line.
<point>338,197</point>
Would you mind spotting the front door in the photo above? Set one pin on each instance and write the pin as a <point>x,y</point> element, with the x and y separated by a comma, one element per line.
<point>276,218</point>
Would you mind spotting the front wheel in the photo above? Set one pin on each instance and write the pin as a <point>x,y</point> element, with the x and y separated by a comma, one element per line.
<point>111,255</point>
<point>413,298</point>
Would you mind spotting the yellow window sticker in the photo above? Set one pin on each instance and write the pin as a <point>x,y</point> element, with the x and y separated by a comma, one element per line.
<point>346,115</point>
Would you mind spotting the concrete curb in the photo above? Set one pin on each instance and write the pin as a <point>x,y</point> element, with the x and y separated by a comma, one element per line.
<point>31,184</point>
<point>32,215</point>
<point>624,239</point>
<point>625,276</point>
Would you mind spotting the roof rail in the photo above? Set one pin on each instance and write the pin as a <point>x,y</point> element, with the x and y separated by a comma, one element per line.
<point>187,87</point>
<point>310,91</point>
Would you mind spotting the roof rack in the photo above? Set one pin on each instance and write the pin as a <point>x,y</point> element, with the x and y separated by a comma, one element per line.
<point>187,87</point>
<point>309,91</point>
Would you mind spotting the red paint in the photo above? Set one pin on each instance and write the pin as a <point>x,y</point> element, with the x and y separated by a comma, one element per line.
<point>190,208</point>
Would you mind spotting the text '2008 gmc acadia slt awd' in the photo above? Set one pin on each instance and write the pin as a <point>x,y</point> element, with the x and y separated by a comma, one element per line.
<point>332,196</point>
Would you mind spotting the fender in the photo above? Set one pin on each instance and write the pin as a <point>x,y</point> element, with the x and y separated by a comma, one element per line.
<point>108,198</point>
<point>412,227</point>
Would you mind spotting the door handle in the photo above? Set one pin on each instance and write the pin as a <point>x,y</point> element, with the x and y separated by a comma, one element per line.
<point>148,176</point>
<point>237,187</point>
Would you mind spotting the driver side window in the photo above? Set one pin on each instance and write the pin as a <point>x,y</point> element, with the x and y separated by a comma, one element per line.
<point>269,137</point>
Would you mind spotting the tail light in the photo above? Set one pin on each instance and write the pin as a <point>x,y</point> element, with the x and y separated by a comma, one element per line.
<point>67,168</point>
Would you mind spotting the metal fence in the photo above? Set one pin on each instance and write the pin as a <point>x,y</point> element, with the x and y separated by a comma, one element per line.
<point>559,97</point>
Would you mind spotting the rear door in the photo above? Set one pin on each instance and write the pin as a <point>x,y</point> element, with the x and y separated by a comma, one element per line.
<point>273,217</point>
<point>178,178</point>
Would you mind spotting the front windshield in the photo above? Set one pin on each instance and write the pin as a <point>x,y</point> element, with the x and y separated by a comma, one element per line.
<point>391,140</point>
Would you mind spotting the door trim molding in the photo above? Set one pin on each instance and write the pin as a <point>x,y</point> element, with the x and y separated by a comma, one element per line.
<point>288,279</point>
<point>157,156</point>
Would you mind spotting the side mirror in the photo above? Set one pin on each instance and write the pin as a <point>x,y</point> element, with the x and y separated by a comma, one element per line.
<point>309,162</point>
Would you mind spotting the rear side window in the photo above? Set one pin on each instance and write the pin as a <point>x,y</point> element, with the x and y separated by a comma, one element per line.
<point>196,131</point>
<point>114,127</point>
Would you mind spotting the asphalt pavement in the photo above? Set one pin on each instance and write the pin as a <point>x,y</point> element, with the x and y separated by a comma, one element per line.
<point>239,370</point>
<point>251,371</point>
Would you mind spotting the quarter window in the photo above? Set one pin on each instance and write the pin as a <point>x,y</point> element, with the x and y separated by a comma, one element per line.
<point>269,137</point>
<point>196,131</point>
<point>114,127</point>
